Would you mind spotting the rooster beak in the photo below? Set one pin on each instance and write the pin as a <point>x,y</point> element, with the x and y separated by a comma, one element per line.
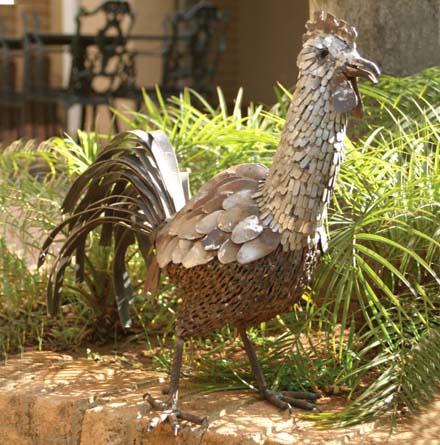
<point>360,67</point>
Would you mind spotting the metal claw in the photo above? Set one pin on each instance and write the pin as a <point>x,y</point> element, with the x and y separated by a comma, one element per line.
<point>172,418</point>
<point>298,403</point>
<point>306,395</point>
<point>192,418</point>
<point>160,418</point>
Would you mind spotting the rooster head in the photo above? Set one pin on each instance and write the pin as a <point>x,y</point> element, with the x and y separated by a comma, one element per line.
<point>329,53</point>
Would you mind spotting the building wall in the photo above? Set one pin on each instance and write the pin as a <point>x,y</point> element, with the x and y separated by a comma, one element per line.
<point>264,37</point>
<point>263,40</point>
<point>259,52</point>
<point>228,69</point>
<point>402,36</point>
<point>150,18</point>
<point>270,39</point>
<point>13,15</point>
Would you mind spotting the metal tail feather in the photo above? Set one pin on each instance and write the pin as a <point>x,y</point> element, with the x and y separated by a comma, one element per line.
<point>129,191</point>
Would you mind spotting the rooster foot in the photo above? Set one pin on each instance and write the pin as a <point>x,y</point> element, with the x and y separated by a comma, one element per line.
<point>293,399</point>
<point>169,412</point>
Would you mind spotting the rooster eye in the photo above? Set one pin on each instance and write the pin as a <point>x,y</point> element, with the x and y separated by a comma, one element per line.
<point>323,53</point>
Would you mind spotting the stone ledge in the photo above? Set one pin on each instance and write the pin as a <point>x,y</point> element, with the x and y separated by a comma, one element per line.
<point>51,399</point>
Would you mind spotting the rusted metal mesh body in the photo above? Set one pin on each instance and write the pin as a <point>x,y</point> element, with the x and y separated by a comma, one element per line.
<point>227,261</point>
<point>240,294</point>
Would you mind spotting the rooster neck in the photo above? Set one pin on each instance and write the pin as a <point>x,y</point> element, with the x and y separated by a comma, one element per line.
<point>293,198</point>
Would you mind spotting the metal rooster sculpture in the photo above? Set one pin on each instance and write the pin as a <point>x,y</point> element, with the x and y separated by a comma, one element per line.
<point>243,249</point>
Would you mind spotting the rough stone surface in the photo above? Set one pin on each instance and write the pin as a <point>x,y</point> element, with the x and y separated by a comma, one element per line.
<point>401,36</point>
<point>51,399</point>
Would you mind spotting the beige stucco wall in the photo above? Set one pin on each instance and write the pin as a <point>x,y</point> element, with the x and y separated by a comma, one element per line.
<point>149,20</point>
<point>269,41</point>
<point>263,40</point>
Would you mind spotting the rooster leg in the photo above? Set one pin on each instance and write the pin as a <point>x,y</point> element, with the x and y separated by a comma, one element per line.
<point>284,399</point>
<point>168,410</point>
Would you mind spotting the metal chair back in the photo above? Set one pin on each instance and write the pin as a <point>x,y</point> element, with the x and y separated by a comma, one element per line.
<point>107,66</point>
<point>11,99</point>
<point>192,55</point>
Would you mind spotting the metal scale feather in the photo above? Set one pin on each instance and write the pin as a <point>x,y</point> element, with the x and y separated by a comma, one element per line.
<point>289,204</point>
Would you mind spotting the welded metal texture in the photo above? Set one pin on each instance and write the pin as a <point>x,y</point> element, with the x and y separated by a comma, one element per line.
<point>254,235</point>
<point>244,248</point>
<point>240,294</point>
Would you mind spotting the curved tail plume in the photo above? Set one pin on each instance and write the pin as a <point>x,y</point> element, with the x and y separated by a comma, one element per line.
<point>129,191</point>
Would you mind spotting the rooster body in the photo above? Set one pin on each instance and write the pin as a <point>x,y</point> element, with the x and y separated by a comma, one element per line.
<point>244,248</point>
<point>241,295</point>
<point>230,266</point>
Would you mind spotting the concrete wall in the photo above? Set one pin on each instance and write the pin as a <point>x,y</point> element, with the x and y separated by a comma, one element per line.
<point>402,36</point>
